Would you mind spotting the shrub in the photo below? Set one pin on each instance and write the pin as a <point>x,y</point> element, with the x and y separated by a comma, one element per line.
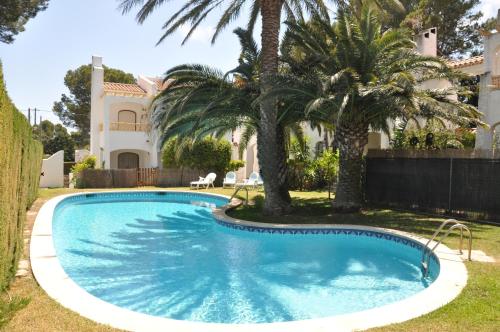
<point>306,173</point>
<point>20,166</point>
<point>88,162</point>
<point>434,138</point>
<point>235,165</point>
<point>299,164</point>
<point>326,168</point>
<point>207,155</point>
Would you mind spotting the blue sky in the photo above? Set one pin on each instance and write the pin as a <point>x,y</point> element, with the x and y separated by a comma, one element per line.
<point>69,32</point>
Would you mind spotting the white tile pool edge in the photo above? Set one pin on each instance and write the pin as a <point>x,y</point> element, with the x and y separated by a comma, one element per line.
<point>52,278</point>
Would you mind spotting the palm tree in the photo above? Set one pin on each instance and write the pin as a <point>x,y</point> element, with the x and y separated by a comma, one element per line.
<point>271,149</point>
<point>363,78</point>
<point>201,101</point>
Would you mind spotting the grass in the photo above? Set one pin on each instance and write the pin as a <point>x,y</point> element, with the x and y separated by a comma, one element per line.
<point>476,309</point>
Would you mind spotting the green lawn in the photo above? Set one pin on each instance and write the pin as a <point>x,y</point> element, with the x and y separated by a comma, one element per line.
<point>476,309</point>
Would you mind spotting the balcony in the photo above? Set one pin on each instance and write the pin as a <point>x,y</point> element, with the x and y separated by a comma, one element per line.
<point>127,126</point>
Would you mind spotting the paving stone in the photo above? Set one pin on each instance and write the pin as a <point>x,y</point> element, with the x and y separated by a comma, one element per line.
<point>22,273</point>
<point>23,264</point>
<point>477,256</point>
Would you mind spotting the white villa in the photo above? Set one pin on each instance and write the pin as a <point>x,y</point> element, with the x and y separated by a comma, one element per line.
<point>120,135</point>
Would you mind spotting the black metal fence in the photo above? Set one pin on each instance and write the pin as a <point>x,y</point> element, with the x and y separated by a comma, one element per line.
<point>452,182</point>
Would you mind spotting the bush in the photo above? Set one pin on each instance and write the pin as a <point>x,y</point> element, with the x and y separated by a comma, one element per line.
<point>433,138</point>
<point>88,162</point>
<point>305,173</point>
<point>20,166</point>
<point>235,165</point>
<point>207,155</point>
<point>325,169</point>
<point>299,164</point>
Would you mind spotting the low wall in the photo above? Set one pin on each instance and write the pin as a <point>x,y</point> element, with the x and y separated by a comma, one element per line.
<point>52,174</point>
<point>178,177</point>
<point>107,178</point>
<point>127,178</point>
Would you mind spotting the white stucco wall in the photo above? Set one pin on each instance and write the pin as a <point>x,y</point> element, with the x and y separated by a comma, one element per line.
<point>53,171</point>
<point>105,107</point>
<point>489,96</point>
<point>81,154</point>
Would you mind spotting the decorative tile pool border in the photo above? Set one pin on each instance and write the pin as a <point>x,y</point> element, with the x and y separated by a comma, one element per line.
<point>52,278</point>
<point>221,217</point>
<point>179,196</point>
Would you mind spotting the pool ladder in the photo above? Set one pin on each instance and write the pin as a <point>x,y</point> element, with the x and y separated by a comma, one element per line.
<point>427,250</point>
<point>238,188</point>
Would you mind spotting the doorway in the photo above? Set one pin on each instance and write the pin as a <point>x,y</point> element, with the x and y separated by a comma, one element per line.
<point>128,160</point>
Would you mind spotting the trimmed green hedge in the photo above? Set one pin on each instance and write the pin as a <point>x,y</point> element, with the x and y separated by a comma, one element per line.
<point>20,164</point>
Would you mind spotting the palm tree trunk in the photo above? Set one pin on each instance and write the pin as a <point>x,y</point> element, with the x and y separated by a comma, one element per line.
<point>270,138</point>
<point>351,139</point>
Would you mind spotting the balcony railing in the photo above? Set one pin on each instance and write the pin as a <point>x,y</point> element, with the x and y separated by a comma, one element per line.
<point>127,126</point>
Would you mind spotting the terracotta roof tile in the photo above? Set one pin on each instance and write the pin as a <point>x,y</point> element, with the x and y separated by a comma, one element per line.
<point>476,60</point>
<point>123,88</point>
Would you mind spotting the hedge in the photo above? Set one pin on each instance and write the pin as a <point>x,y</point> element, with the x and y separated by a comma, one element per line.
<point>20,164</point>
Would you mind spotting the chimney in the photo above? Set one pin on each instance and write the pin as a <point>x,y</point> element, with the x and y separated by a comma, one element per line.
<point>96,104</point>
<point>97,70</point>
<point>427,42</point>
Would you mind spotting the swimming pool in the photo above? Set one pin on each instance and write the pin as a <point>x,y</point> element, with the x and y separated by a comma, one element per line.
<point>164,254</point>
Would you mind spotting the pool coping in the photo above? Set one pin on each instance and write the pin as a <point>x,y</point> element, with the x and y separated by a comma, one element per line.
<point>58,285</point>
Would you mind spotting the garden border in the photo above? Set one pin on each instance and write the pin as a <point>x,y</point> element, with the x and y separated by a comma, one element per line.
<point>58,285</point>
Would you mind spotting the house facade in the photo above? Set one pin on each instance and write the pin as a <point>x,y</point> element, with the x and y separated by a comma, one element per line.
<point>119,124</point>
<point>487,67</point>
<point>120,131</point>
<point>121,135</point>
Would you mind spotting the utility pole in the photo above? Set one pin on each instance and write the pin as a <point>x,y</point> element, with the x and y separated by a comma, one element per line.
<point>29,116</point>
<point>35,116</point>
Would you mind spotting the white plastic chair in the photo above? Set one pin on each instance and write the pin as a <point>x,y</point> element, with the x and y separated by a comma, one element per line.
<point>254,181</point>
<point>260,181</point>
<point>229,180</point>
<point>204,182</point>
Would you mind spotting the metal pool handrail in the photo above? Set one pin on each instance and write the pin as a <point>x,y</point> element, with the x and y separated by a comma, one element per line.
<point>427,250</point>
<point>238,188</point>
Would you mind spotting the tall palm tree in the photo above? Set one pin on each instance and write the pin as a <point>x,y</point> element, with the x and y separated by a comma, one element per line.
<point>271,149</point>
<point>363,78</point>
<point>201,101</point>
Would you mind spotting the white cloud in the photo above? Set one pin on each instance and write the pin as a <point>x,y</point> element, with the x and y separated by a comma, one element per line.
<point>489,8</point>
<point>202,34</point>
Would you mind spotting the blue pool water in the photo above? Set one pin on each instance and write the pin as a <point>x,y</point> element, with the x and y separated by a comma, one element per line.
<point>165,255</point>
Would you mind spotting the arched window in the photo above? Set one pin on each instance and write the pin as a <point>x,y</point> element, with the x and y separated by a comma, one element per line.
<point>127,120</point>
